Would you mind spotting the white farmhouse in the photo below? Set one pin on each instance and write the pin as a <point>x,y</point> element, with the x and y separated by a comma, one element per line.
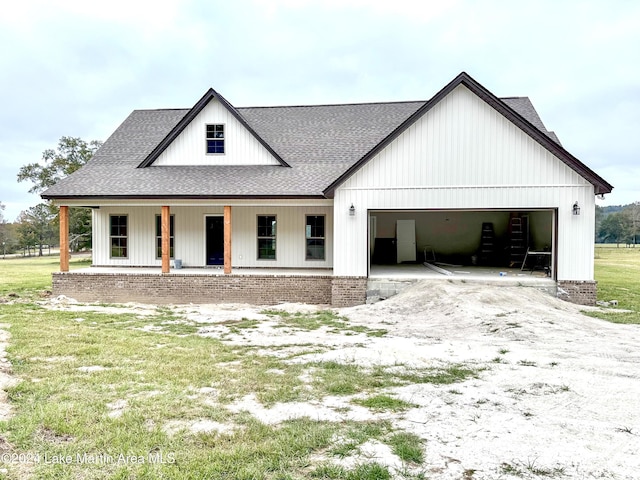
<point>309,203</point>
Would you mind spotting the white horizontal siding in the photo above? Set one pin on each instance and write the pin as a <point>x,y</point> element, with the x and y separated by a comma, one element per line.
<point>463,154</point>
<point>241,148</point>
<point>190,238</point>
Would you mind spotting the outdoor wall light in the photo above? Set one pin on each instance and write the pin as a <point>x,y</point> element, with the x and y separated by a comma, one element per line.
<point>352,210</point>
<point>576,208</point>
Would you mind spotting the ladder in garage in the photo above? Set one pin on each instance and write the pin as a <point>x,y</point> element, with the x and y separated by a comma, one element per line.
<point>517,243</point>
<point>487,244</point>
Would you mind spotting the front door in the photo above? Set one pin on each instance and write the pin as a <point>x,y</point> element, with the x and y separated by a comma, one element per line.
<point>215,240</point>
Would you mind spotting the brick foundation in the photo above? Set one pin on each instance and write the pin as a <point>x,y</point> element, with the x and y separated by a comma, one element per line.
<point>184,288</point>
<point>348,291</point>
<point>582,292</point>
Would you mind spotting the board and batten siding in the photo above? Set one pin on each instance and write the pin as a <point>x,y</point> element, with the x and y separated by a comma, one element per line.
<point>241,147</point>
<point>463,154</point>
<point>290,238</point>
<point>190,235</point>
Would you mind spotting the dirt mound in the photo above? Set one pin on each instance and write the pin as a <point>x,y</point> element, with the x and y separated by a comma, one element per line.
<point>454,309</point>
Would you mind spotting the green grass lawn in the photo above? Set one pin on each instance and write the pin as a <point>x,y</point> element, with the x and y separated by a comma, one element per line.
<point>28,275</point>
<point>617,271</point>
<point>102,396</point>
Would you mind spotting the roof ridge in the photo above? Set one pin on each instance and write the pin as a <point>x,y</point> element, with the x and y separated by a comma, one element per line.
<point>312,105</point>
<point>398,102</point>
<point>347,104</point>
<point>160,109</point>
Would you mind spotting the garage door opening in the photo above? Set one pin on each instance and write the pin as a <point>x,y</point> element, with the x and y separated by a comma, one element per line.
<point>463,241</point>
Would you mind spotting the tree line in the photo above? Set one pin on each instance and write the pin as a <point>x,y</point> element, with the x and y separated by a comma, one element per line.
<point>618,224</point>
<point>37,228</point>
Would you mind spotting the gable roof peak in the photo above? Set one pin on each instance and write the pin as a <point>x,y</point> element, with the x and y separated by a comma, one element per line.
<point>463,78</point>
<point>210,94</point>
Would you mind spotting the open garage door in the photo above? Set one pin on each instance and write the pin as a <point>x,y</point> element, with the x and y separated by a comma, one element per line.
<point>514,240</point>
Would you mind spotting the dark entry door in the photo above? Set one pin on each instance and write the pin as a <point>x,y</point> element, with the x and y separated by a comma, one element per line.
<point>215,240</point>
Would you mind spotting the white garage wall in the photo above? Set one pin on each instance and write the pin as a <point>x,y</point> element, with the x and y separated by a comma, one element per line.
<point>462,154</point>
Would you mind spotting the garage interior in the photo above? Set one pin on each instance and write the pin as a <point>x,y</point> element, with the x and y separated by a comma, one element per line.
<point>462,243</point>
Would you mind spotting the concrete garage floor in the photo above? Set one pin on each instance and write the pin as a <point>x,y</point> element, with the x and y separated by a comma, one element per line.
<point>472,273</point>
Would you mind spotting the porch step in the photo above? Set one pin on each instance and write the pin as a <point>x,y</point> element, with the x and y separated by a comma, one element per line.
<point>383,288</point>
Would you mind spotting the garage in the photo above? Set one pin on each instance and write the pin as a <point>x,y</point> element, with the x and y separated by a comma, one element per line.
<point>478,187</point>
<point>463,241</point>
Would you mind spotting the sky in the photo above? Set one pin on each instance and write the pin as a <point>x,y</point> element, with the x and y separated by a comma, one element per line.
<point>78,68</point>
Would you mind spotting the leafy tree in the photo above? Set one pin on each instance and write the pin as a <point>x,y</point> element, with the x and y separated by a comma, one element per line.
<point>7,234</point>
<point>70,154</point>
<point>36,227</point>
<point>618,223</point>
<point>3,229</point>
<point>600,215</point>
<point>613,228</point>
<point>632,222</point>
<point>10,236</point>
<point>79,228</point>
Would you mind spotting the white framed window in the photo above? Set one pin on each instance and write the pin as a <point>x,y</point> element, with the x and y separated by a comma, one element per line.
<point>159,236</point>
<point>118,236</point>
<point>266,237</point>
<point>215,138</point>
<point>315,237</point>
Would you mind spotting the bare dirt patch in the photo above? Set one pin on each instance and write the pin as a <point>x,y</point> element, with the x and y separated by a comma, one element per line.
<point>557,394</point>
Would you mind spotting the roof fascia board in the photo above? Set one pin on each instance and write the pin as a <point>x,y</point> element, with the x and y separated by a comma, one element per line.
<point>600,185</point>
<point>179,197</point>
<point>188,118</point>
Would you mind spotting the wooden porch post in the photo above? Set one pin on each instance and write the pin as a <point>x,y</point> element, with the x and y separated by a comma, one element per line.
<point>165,232</point>
<point>64,238</point>
<point>227,239</point>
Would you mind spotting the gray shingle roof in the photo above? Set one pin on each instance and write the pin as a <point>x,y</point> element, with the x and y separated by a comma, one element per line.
<point>524,107</point>
<point>321,144</point>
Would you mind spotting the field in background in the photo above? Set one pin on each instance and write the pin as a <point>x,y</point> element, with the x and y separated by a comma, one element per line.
<point>28,275</point>
<point>617,271</point>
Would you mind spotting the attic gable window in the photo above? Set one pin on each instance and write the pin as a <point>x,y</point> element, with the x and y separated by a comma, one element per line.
<point>215,138</point>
